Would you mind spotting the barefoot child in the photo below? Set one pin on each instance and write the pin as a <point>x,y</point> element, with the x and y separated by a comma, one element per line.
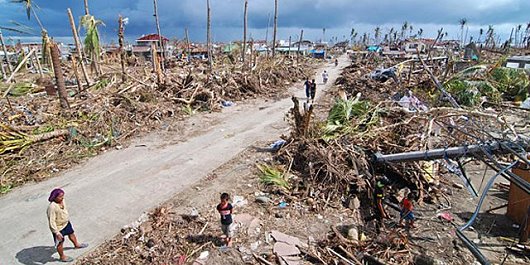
<point>406,211</point>
<point>225,209</point>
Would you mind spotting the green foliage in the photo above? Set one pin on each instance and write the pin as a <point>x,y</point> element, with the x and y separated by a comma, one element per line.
<point>101,84</point>
<point>188,110</point>
<point>463,92</point>
<point>91,24</point>
<point>468,86</point>
<point>513,83</point>
<point>341,115</point>
<point>27,4</point>
<point>5,189</point>
<point>273,176</point>
<point>21,89</point>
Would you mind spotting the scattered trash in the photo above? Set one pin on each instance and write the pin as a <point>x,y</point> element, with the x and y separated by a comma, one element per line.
<point>382,75</point>
<point>411,103</point>
<point>227,103</point>
<point>239,201</point>
<point>526,104</point>
<point>445,216</point>
<point>282,204</point>
<point>263,199</point>
<point>278,144</point>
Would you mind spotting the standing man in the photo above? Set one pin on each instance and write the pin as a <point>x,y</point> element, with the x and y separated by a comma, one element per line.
<point>379,196</point>
<point>307,85</point>
<point>313,90</point>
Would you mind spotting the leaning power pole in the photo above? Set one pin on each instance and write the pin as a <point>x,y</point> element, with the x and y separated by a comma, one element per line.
<point>299,45</point>
<point>275,31</point>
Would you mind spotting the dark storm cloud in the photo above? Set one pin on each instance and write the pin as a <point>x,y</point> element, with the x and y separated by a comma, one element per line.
<point>227,15</point>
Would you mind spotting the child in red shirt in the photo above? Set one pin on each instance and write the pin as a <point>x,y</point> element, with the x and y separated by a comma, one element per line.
<point>225,210</point>
<point>407,211</point>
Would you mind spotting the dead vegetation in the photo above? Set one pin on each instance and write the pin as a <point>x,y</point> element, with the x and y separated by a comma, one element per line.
<point>105,114</point>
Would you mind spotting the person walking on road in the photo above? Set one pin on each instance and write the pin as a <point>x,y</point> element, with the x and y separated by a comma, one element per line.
<point>59,223</point>
<point>313,91</point>
<point>307,85</point>
<point>325,77</point>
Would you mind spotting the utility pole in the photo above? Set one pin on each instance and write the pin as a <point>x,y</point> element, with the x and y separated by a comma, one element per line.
<point>122,54</point>
<point>267,34</point>
<point>289,47</point>
<point>188,45</point>
<point>245,34</point>
<point>299,45</point>
<point>275,28</point>
<point>208,35</point>
<point>160,38</point>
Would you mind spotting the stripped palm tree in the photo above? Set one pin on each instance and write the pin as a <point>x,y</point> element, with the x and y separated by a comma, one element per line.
<point>377,34</point>
<point>17,28</point>
<point>462,22</point>
<point>92,47</point>
<point>480,33</point>
<point>30,7</point>
<point>404,29</point>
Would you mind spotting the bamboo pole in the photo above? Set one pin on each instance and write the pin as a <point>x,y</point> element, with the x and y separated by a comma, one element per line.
<point>4,49</point>
<point>289,47</point>
<point>188,45</point>
<point>122,55</point>
<point>244,51</point>
<point>161,40</point>
<point>61,88</point>
<point>251,52</point>
<point>275,30</point>
<point>78,47</point>
<point>4,74</point>
<point>20,66</point>
<point>86,8</point>
<point>76,73</point>
<point>156,63</point>
<point>39,66</point>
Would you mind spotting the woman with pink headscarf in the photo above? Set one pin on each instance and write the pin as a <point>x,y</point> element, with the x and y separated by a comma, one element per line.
<point>60,225</point>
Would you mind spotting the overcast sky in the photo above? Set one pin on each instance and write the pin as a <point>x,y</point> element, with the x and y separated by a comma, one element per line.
<point>337,16</point>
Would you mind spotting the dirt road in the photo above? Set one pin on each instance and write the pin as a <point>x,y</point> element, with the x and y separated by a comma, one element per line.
<point>115,188</point>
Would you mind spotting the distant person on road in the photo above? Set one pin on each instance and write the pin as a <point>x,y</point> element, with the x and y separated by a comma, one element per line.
<point>307,85</point>
<point>60,225</point>
<point>225,209</point>
<point>336,62</point>
<point>325,77</point>
<point>313,90</point>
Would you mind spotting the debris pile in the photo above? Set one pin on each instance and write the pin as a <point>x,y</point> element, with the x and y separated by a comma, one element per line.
<point>334,161</point>
<point>109,111</point>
